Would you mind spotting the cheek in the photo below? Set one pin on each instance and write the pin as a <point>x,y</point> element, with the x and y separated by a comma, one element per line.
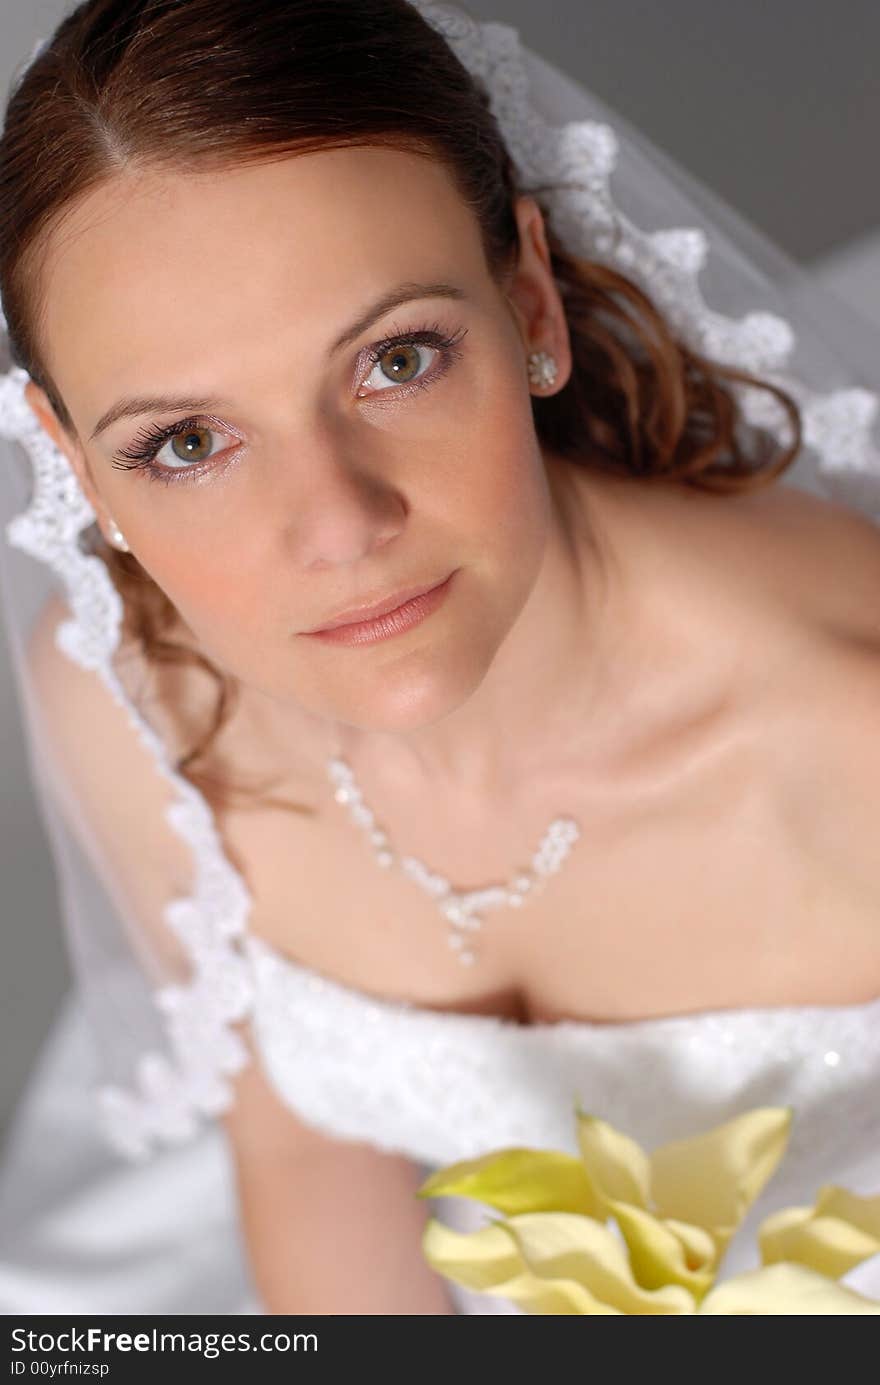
<point>507,492</point>
<point>209,587</point>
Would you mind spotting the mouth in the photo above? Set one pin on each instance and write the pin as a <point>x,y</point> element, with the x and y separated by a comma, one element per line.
<point>390,617</point>
<point>371,611</point>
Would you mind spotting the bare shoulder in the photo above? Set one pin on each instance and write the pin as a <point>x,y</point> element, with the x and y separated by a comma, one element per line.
<point>825,560</point>
<point>819,561</point>
<point>795,578</point>
<point>820,555</point>
<point>109,788</point>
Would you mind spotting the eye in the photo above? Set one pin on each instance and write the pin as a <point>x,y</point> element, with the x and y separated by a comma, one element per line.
<point>191,444</point>
<point>410,361</point>
<point>186,447</point>
<point>402,363</point>
<point>182,451</point>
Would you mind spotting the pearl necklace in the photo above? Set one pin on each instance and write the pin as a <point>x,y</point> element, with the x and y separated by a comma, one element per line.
<point>459,907</point>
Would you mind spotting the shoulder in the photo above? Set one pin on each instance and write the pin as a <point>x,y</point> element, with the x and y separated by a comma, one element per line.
<point>817,562</point>
<point>823,562</point>
<point>790,562</point>
<point>777,566</point>
<point>826,554</point>
<point>785,583</point>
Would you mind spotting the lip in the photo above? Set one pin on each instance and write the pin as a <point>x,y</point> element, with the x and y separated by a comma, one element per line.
<point>379,623</point>
<point>356,615</point>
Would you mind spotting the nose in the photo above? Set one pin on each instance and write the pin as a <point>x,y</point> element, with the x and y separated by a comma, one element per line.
<point>343,507</point>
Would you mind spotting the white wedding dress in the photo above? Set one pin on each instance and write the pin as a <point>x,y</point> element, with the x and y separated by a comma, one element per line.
<point>82,1231</point>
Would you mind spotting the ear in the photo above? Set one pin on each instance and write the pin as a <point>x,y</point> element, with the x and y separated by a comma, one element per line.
<point>533,294</point>
<point>38,402</point>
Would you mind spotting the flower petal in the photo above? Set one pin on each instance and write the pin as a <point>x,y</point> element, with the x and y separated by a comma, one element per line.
<point>488,1261</point>
<point>700,1247</point>
<point>667,1252</point>
<point>477,1259</point>
<point>840,1232</point>
<point>711,1180</point>
<point>561,1245</point>
<point>784,1289</point>
<point>552,1296</point>
<point>518,1180</point>
<point>617,1167</point>
<point>863,1212</point>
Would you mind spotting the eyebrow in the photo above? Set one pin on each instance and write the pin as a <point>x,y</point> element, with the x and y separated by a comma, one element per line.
<point>133,406</point>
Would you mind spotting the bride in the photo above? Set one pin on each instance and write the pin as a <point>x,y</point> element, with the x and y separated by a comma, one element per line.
<point>445,533</point>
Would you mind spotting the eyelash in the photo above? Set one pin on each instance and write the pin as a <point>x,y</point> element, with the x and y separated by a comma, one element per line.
<point>141,452</point>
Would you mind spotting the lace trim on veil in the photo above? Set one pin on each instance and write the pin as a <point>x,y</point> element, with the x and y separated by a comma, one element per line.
<point>570,165</point>
<point>198,1015</point>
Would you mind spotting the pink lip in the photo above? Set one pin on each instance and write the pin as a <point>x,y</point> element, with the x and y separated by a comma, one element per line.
<point>402,617</point>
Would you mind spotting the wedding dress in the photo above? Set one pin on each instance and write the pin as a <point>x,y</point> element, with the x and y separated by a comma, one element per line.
<point>83,1230</point>
<point>86,1233</point>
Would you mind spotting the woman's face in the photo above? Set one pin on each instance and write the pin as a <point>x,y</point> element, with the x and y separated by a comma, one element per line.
<point>309,477</point>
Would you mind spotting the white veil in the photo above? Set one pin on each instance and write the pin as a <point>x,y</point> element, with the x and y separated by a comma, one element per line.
<point>165,1046</point>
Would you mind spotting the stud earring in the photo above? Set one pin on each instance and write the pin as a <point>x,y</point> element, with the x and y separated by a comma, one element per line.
<point>542,369</point>
<point>117,538</point>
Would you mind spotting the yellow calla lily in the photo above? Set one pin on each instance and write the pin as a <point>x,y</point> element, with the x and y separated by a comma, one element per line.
<point>784,1289</point>
<point>675,1211</point>
<point>834,1236</point>
<point>617,1168</point>
<point>550,1263</point>
<point>708,1181</point>
<point>678,1207</point>
<point>518,1180</point>
<point>667,1252</point>
<point>490,1261</point>
<point>562,1245</point>
<point>712,1180</point>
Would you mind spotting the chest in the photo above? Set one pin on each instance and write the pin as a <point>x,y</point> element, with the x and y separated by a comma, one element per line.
<point>737,868</point>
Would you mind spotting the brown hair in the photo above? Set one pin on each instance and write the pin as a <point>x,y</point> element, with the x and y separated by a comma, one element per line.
<point>175,83</point>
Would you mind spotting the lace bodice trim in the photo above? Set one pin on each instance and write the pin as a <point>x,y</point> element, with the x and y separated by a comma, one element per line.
<point>450,1085</point>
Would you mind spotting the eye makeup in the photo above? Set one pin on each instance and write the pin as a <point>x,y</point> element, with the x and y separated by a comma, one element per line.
<point>140,455</point>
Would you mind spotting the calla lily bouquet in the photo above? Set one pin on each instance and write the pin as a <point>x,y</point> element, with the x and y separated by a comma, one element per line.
<point>618,1230</point>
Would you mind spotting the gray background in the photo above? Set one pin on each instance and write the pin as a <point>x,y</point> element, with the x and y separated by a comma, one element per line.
<point>774,105</point>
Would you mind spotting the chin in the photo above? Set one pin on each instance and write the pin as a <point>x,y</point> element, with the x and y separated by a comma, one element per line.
<point>406,698</point>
